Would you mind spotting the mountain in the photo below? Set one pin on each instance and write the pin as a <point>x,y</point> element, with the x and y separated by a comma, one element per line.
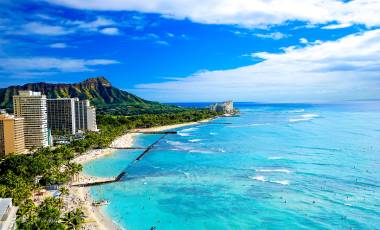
<point>98,90</point>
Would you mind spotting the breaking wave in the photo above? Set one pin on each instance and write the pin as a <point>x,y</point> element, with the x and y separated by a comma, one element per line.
<point>263,179</point>
<point>195,140</point>
<point>249,125</point>
<point>304,117</point>
<point>275,158</point>
<point>183,134</point>
<point>274,170</point>
<point>189,129</point>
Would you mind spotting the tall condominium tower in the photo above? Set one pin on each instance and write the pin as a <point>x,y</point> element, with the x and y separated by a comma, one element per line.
<point>61,115</point>
<point>91,119</point>
<point>11,135</point>
<point>32,107</point>
<point>85,116</point>
<point>81,114</point>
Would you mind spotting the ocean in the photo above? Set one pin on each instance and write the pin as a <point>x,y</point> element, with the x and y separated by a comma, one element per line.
<point>276,166</point>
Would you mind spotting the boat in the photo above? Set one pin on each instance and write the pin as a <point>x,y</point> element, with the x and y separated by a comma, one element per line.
<point>100,203</point>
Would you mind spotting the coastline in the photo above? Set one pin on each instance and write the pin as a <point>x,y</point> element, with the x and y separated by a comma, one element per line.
<point>81,197</point>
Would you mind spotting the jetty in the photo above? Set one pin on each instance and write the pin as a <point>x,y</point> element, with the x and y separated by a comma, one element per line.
<point>149,148</point>
<point>102,181</point>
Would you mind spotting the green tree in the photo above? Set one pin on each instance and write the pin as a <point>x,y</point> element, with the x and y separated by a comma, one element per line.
<point>73,219</point>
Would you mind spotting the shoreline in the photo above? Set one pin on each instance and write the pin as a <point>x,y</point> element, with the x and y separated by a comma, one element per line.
<point>96,217</point>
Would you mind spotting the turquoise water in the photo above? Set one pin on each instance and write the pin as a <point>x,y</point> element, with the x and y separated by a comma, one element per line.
<point>275,167</point>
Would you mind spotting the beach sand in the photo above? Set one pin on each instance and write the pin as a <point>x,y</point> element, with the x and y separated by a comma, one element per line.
<point>80,197</point>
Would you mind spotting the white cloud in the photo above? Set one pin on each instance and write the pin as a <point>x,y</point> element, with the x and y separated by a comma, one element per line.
<point>303,41</point>
<point>50,26</point>
<point>336,26</point>
<point>247,13</point>
<point>43,29</point>
<point>170,35</point>
<point>110,31</point>
<point>274,36</point>
<point>58,45</point>
<point>162,43</point>
<point>93,25</point>
<point>41,65</point>
<point>348,68</point>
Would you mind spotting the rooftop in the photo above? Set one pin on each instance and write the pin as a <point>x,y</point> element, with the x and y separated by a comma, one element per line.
<point>28,93</point>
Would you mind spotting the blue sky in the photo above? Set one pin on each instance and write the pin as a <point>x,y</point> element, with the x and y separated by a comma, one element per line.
<point>176,51</point>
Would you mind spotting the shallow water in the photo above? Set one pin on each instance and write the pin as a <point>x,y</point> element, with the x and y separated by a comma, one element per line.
<point>287,166</point>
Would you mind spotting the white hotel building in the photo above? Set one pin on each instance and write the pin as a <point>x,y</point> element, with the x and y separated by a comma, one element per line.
<point>32,107</point>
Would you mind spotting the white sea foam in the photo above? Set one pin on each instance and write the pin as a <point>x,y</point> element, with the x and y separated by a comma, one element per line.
<point>275,158</point>
<point>259,178</point>
<point>283,182</point>
<point>304,117</point>
<point>263,179</point>
<point>189,129</point>
<point>186,132</point>
<point>212,133</point>
<point>200,151</point>
<point>195,140</point>
<point>310,115</point>
<point>297,111</point>
<point>174,143</point>
<point>179,145</point>
<point>183,134</point>
<point>274,170</point>
<point>249,125</point>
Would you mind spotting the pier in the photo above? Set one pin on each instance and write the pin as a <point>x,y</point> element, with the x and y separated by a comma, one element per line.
<point>101,181</point>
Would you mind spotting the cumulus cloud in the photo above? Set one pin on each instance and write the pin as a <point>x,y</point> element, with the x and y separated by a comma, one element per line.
<point>50,26</point>
<point>303,41</point>
<point>274,36</point>
<point>348,68</point>
<point>162,43</point>
<point>92,25</point>
<point>110,31</point>
<point>42,65</point>
<point>247,13</point>
<point>43,29</point>
<point>58,45</point>
<point>336,26</point>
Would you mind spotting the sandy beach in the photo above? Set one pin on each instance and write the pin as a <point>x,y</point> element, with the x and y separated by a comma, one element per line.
<point>80,197</point>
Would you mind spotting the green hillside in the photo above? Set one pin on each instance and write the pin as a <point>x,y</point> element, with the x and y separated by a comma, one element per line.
<point>99,91</point>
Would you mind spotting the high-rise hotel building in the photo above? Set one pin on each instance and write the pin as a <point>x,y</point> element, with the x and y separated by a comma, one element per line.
<point>61,116</point>
<point>85,116</point>
<point>11,135</point>
<point>91,119</point>
<point>32,107</point>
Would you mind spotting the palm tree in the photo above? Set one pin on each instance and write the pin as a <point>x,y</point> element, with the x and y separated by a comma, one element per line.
<point>73,219</point>
<point>64,191</point>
